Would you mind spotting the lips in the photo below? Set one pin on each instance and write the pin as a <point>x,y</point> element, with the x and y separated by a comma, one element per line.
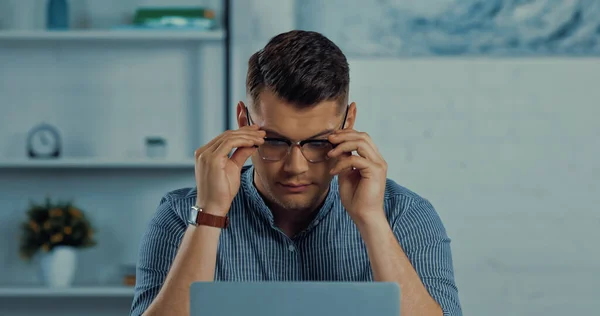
<point>295,184</point>
<point>295,187</point>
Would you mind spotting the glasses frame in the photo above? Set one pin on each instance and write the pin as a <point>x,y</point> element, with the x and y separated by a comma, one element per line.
<point>299,143</point>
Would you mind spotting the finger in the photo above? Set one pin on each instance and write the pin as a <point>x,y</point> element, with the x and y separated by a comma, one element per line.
<point>247,128</point>
<point>217,140</point>
<point>346,135</point>
<point>360,146</point>
<point>370,149</point>
<point>230,143</point>
<point>208,145</point>
<point>257,135</point>
<point>345,130</point>
<point>240,155</point>
<point>246,131</point>
<point>361,164</point>
<point>257,140</point>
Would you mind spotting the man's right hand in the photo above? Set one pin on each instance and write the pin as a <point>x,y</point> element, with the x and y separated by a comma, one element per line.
<point>217,174</point>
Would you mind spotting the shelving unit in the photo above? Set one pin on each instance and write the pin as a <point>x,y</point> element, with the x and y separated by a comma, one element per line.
<point>114,35</point>
<point>90,163</point>
<point>98,291</point>
<point>106,90</point>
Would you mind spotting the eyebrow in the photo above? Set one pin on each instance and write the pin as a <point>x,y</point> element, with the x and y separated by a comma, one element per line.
<point>269,131</point>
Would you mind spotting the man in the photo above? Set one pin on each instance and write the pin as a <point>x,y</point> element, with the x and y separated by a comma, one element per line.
<point>307,209</point>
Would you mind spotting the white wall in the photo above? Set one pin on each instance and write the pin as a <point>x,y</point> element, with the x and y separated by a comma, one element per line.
<point>505,148</point>
<point>254,23</point>
<point>104,100</point>
<point>507,151</point>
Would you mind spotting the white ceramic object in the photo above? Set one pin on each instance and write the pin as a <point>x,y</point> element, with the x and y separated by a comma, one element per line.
<point>58,266</point>
<point>156,147</point>
<point>24,15</point>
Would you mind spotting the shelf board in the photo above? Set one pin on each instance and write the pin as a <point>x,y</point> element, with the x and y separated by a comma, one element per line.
<point>91,291</point>
<point>113,35</point>
<point>94,163</point>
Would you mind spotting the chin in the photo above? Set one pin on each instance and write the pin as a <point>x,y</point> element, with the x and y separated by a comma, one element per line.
<point>299,201</point>
<point>295,204</point>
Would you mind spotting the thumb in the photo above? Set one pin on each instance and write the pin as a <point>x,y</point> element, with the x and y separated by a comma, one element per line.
<point>242,154</point>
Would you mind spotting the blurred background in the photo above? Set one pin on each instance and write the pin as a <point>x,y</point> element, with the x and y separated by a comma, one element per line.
<point>486,108</point>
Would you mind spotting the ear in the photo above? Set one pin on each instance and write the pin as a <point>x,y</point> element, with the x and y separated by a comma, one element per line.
<point>351,118</point>
<point>242,118</point>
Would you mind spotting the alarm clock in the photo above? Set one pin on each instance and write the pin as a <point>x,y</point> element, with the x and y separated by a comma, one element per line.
<point>44,142</point>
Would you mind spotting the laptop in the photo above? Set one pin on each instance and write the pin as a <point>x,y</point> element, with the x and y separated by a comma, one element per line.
<point>294,298</point>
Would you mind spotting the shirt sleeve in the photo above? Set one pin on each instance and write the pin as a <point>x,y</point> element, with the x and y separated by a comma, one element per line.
<point>157,251</point>
<point>423,238</point>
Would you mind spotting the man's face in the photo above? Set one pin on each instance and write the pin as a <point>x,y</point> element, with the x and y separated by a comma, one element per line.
<point>294,182</point>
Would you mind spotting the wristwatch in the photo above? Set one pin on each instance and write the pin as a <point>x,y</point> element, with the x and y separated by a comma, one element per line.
<point>199,217</point>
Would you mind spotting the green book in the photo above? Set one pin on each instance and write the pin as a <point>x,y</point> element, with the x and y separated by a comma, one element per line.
<point>174,16</point>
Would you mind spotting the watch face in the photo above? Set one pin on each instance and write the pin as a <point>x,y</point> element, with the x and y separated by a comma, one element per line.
<point>193,216</point>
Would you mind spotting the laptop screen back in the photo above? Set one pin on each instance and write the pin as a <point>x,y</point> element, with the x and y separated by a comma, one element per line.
<point>294,299</point>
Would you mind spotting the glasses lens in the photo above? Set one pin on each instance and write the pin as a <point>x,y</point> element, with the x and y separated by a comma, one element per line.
<point>273,149</point>
<point>316,150</point>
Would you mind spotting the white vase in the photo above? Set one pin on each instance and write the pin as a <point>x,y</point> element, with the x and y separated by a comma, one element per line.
<point>58,266</point>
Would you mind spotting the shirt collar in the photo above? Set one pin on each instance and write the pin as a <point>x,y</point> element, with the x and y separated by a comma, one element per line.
<point>258,205</point>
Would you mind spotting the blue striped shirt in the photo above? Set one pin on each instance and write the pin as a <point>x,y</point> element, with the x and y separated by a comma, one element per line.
<point>252,248</point>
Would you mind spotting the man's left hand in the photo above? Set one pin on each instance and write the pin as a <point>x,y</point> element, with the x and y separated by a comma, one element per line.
<point>361,177</point>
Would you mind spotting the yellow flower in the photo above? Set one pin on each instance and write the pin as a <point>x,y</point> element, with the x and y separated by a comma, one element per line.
<point>56,212</point>
<point>90,233</point>
<point>68,230</point>
<point>75,212</point>
<point>56,238</point>
<point>46,247</point>
<point>47,225</point>
<point>34,226</point>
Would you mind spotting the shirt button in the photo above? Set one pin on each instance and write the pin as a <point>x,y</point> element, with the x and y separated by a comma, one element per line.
<point>291,248</point>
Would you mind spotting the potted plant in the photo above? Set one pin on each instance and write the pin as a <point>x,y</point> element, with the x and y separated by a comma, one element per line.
<point>56,231</point>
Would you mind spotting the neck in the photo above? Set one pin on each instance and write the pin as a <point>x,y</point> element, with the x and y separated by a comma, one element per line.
<point>292,222</point>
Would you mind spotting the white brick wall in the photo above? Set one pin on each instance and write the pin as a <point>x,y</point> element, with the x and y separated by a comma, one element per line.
<point>507,151</point>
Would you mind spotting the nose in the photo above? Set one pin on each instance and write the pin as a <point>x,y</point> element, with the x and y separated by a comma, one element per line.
<point>295,162</point>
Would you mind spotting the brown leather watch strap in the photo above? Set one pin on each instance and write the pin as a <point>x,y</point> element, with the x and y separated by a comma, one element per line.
<point>212,220</point>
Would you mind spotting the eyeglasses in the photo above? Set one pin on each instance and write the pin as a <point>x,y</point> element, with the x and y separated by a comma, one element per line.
<point>314,150</point>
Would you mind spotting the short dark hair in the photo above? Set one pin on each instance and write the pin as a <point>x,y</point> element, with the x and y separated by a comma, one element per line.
<point>303,68</point>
